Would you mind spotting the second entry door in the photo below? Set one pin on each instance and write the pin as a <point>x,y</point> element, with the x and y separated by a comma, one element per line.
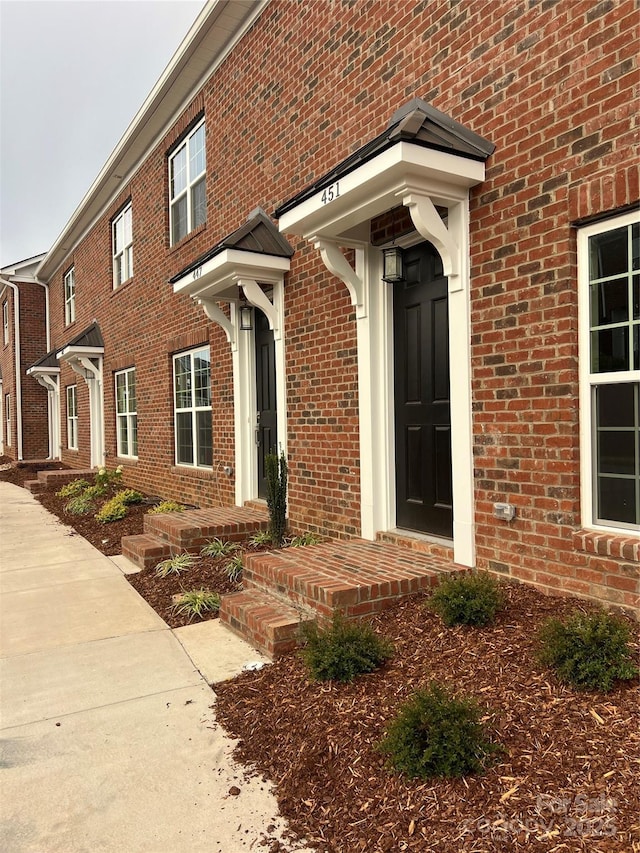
<point>424,497</point>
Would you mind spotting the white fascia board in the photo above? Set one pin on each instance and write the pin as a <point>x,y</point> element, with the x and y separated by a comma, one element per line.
<point>378,186</point>
<point>78,352</point>
<point>43,371</point>
<point>223,271</point>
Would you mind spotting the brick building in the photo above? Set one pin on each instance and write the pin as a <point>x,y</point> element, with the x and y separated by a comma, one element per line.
<point>484,398</point>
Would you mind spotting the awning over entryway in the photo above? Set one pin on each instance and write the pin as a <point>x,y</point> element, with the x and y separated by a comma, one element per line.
<point>88,344</point>
<point>45,366</point>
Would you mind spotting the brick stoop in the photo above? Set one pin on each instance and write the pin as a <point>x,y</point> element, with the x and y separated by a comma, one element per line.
<point>171,533</point>
<point>266,622</point>
<point>358,577</point>
<point>57,479</point>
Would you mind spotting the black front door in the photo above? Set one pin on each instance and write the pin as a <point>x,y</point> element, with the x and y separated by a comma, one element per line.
<point>424,497</point>
<point>266,431</point>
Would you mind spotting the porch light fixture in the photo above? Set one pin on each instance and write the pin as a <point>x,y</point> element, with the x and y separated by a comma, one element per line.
<point>246,316</point>
<point>392,265</point>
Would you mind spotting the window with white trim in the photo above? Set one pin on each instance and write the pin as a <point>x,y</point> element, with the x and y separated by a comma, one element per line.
<point>70,297</point>
<point>122,241</point>
<point>126,413</point>
<point>609,279</point>
<point>7,415</point>
<point>192,408</point>
<point>187,190</point>
<point>5,321</point>
<point>72,417</point>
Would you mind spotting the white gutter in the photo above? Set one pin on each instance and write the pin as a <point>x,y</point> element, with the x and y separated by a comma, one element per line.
<point>16,343</point>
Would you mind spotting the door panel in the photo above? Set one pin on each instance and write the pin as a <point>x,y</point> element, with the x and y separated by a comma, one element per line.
<point>424,494</point>
<point>266,417</point>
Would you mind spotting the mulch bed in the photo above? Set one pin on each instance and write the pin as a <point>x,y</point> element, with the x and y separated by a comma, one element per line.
<point>567,781</point>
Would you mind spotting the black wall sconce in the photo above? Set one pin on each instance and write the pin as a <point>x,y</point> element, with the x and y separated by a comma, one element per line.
<point>246,313</point>
<point>392,265</point>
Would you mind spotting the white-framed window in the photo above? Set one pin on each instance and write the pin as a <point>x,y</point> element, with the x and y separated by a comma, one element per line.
<point>187,190</point>
<point>5,321</point>
<point>192,408</point>
<point>72,417</point>
<point>609,303</point>
<point>70,297</point>
<point>126,413</point>
<point>122,242</point>
<point>7,421</point>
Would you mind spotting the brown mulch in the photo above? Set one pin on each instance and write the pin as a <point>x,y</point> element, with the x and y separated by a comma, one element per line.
<point>567,780</point>
<point>20,472</point>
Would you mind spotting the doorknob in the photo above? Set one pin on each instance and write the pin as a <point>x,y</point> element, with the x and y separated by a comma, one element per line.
<point>257,434</point>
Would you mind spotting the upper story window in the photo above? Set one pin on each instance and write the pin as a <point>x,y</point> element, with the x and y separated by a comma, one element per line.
<point>122,239</point>
<point>72,417</point>
<point>5,322</point>
<point>126,413</point>
<point>187,195</point>
<point>70,297</point>
<point>192,408</point>
<point>609,278</point>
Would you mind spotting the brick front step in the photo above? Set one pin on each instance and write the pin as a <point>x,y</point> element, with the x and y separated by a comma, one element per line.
<point>267,623</point>
<point>417,542</point>
<point>145,551</point>
<point>358,577</point>
<point>190,530</point>
<point>56,479</point>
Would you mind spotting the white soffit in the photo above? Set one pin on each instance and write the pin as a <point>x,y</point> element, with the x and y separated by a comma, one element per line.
<point>218,278</point>
<point>379,185</point>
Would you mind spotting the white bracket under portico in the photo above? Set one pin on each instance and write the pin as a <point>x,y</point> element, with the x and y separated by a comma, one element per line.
<point>47,374</point>
<point>425,161</point>
<point>249,267</point>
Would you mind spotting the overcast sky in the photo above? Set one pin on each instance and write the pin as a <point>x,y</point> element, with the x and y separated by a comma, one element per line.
<point>73,73</point>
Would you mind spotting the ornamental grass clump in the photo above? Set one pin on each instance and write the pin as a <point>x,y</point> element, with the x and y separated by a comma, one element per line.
<point>344,650</point>
<point>81,504</point>
<point>233,569</point>
<point>175,565</point>
<point>218,548</point>
<point>435,734</point>
<point>467,600</point>
<point>588,651</point>
<point>197,603</point>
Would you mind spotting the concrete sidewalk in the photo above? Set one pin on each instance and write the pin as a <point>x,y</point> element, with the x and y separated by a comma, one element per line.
<point>108,739</point>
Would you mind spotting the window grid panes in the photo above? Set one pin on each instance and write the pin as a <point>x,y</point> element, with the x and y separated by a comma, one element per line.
<point>70,297</point>
<point>614,364</point>
<point>122,232</point>
<point>192,406</point>
<point>72,417</point>
<point>187,169</point>
<point>126,413</point>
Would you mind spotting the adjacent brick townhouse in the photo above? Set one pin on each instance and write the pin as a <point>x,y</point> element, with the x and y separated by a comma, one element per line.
<point>398,241</point>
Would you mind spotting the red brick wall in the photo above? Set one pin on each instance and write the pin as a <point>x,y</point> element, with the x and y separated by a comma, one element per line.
<point>554,85</point>
<point>33,343</point>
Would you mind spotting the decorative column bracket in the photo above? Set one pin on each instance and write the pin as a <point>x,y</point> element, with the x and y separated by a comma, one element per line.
<point>85,367</point>
<point>335,261</point>
<point>47,381</point>
<point>256,296</point>
<point>430,225</point>
<point>217,315</point>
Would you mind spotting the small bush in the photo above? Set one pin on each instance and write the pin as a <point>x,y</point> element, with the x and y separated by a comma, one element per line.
<point>130,496</point>
<point>467,600</point>
<point>93,493</point>
<point>304,539</point>
<point>73,489</point>
<point>343,650</point>
<point>79,505</point>
<point>233,569</point>
<point>175,565</point>
<point>197,602</point>
<point>437,735</point>
<point>166,506</point>
<point>590,652</point>
<point>218,548</point>
<point>112,510</point>
<point>106,477</point>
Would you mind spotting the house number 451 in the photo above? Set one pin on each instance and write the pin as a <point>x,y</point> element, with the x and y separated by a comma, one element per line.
<point>331,192</point>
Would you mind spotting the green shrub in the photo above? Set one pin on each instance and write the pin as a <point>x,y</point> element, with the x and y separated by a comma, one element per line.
<point>233,569</point>
<point>435,734</point>
<point>218,548</point>
<point>197,602</point>
<point>130,496</point>
<point>343,650</point>
<point>260,537</point>
<point>467,599</point>
<point>112,510</point>
<point>73,489</point>
<point>590,652</point>
<point>166,506</point>
<point>106,477</point>
<point>93,493</point>
<point>79,505</point>
<point>276,474</point>
<point>304,539</point>
<point>175,565</point>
